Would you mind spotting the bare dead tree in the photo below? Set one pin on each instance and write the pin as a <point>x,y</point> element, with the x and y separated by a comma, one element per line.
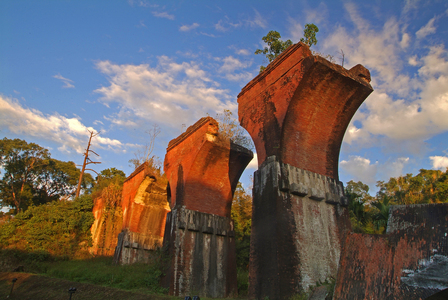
<point>87,161</point>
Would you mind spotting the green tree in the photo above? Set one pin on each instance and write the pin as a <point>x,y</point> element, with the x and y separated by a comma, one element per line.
<point>275,46</point>
<point>358,199</point>
<point>309,34</point>
<point>242,222</point>
<point>60,228</point>
<point>108,177</point>
<point>32,177</point>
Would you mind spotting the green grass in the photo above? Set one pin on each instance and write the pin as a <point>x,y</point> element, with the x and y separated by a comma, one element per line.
<point>243,282</point>
<point>97,270</point>
<point>100,271</point>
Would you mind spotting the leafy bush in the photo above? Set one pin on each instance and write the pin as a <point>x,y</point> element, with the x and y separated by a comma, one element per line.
<point>60,228</point>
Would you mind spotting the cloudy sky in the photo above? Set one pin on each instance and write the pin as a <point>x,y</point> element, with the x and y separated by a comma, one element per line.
<point>120,66</point>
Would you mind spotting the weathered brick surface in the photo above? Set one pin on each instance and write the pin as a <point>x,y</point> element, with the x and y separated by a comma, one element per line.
<point>105,228</point>
<point>409,262</point>
<point>299,108</point>
<point>145,206</point>
<point>203,170</point>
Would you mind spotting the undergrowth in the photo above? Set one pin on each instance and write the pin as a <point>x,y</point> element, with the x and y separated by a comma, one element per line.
<point>96,270</point>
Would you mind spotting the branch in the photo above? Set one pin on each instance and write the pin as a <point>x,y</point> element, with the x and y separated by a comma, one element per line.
<point>94,152</point>
<point>93,171</point>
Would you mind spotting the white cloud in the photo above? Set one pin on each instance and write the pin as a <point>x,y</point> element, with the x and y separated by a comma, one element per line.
<point>439,162</point>
<point>171,93</point>
<point>410,5</point>
<point>163,15</point>
<point>67,82</point>
<point>141,24</point>
<point>226,24</point>
<point>208,34</point>
<point>242,52</point>
<point>405,40</point>
<point>231,65</point>
<point>413,60</point>
<point>189,27</point>
<point>142,3</point>
<point>429,28</point>
<point>405,109</point>
<point>361,169</point>
<point>253,163</point>
<point>257,20</point>
<point>70,133</point>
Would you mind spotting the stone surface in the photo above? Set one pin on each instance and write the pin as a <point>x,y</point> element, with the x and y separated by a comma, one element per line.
<point>296,112</point>
<point>296,238</point>
<point>409,262</point>
<point>204,261</point>
<point>203,170</point>
<point>145,207</point>
<point>319,293</point>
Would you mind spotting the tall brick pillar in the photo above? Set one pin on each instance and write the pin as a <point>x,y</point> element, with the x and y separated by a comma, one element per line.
<point>202,170</point>
<point>297,112</point>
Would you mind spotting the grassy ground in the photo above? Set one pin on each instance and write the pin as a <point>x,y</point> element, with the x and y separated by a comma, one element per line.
<point>36,287</point>
<point>46,277</point>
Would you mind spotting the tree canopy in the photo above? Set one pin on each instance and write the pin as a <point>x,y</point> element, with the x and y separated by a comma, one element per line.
<point>61,228</point>
<point>32,177</point>
<point>309,34</point>
<point>369,214</point>
<point>242,222</point>
<point>276,46</point>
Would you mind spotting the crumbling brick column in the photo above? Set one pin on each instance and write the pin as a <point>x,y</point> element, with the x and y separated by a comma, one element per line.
<point>297,111</point>
<point>203,170</point>
<point>145,206</point>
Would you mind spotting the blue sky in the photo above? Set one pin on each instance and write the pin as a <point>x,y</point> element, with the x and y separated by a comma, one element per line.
<point>120,66</point>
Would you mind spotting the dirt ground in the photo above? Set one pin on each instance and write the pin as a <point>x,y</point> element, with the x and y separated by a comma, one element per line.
<point>35,287</point>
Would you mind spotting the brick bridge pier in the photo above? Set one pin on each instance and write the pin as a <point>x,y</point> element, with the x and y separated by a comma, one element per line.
<point>297,112</point>
<point>203,170</point>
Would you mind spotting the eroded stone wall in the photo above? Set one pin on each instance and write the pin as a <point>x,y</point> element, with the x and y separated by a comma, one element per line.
<point>409,262</point>
<point>297,223</point>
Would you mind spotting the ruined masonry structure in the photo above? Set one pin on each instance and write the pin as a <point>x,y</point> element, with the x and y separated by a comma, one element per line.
<point>410,261</point>
<point>108,222</point>
<point>203,170</point>
<point>296,112</point>
<point>145,206</point>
